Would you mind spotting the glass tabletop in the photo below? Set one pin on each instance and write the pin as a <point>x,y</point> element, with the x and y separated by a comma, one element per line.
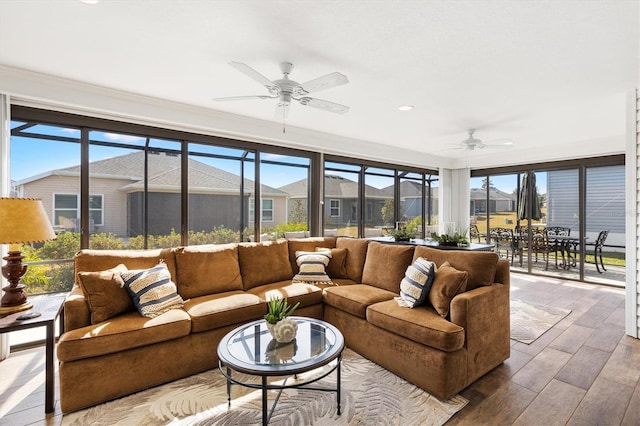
<point>250,347</point>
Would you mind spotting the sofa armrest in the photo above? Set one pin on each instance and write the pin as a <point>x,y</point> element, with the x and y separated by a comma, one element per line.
<point>484,313</point>
<point>76,310</point>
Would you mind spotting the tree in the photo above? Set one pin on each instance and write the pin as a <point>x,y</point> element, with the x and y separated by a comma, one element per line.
<point>388,211</point>
<point>298,212</point>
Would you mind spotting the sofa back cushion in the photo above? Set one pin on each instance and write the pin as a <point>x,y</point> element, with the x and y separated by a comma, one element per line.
<point>99,260</point>
<point>386,265</point>
<point>307,244</point>
<point>481,266</point>
<point>356,256</point>
<point>264,263</point>
<point>207,269</point>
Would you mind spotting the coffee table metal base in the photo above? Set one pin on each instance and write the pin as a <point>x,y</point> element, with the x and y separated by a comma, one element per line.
<point>264,386</point>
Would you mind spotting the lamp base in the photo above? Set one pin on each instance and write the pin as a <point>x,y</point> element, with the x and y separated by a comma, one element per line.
<point>6,310</point>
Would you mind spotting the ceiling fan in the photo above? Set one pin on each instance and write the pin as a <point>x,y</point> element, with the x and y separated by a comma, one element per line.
<point>471,143</point>
<point>286,90</point>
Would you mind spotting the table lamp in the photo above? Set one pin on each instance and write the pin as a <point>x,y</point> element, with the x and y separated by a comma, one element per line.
<point>22,220</point>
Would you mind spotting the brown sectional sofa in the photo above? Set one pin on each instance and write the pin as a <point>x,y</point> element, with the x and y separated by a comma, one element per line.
<point>223,286</point>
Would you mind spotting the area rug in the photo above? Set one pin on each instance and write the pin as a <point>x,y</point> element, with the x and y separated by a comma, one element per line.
<point>530,321</point>
<point>370,395</point>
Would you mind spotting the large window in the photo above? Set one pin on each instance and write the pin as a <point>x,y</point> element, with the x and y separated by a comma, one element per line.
<point>112,185</point>
<point>44,164</point>
<point>369,200</point>
<point>285,184</point>
<point>555,214</point>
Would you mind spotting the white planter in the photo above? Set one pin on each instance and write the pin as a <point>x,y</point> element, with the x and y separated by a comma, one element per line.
<point>284,330</point>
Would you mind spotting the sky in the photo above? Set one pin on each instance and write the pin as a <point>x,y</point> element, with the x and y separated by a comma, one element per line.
<point>31,157</point>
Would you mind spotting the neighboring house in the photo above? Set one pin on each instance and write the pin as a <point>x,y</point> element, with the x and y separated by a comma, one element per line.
<point>340,201</point>
<point>117,196</point>
<point>499,201</point>
<point>605,202</point>
<point>411,200</point>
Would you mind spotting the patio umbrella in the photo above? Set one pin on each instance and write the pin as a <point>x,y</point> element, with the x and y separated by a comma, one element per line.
<point>529,180</point>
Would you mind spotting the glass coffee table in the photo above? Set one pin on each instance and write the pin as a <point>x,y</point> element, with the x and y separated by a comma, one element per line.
<point>250,349</point>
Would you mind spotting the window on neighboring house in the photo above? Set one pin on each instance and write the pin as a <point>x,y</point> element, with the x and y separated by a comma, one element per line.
<point>66,210</point>
<point>267,209</point>
<point>334,207</point>
<point>95,209</point>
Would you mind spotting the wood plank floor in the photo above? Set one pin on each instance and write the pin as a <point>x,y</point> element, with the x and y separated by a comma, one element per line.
<point>584,371</point>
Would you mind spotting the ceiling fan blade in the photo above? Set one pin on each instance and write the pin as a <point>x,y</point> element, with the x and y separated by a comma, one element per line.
<point>325,82</point>
<point>324,105</point>
<point>253,74</point>
<point>282,111</point>
<point>243,98</point>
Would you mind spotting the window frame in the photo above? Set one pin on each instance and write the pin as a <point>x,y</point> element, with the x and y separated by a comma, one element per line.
<point>77,208</point>
<point>331,207</point>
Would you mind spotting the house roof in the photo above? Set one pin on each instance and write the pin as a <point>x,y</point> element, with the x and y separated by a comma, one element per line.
<point>494,194</point>
<point>164,174</point>
<point>334,187</point>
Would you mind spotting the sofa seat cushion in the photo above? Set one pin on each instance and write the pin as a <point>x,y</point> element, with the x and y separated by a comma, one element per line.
<point>421,324</point>
<point>386,265</point>
<point>207,269</point>
<point>127,331</point>
<point>355,299</point>
<point>481,266</point>
<point>337,282</point>
<point>222,309</point>
<point>306,294</point>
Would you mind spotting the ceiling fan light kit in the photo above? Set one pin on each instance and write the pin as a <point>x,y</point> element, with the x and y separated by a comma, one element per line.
<point>287,90</point>
<point>472,143</point>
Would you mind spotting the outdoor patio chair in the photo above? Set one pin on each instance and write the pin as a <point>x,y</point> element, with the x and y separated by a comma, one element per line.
<point>474,233</point>
<point>503,239</point>
<point>557,246</point>
<point>597,250</point>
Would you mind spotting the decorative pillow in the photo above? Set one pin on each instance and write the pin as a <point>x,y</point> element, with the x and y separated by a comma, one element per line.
<point>337,267</point>
<point>152,290</point>
<point>447,284</point>
<point>312,266</point>
<point>105,293</point>
<point>417,281</point>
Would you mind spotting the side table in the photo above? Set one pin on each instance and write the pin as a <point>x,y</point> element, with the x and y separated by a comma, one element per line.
<point>50,308</point>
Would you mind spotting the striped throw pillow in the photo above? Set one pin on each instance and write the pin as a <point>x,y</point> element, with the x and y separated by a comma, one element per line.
<point>417,281</point>
<point>152,290</point>
<point>312,267</point>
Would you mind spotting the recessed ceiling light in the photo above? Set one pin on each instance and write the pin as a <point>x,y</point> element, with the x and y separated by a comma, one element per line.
<point>90,1</point>
<point>405,107</point>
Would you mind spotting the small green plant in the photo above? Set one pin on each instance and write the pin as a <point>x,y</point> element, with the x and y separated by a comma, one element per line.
<point>403,234</point>
<point>451,237</point>
<point>278,309</point>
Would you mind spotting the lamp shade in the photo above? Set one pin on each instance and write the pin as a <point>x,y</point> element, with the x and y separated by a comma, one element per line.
<point>24,220</point>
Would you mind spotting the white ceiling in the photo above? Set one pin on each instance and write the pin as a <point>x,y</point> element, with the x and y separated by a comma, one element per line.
<point>552,76</point>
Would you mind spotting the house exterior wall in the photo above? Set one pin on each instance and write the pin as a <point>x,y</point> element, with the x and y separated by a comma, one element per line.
<point>605,203</point>
<point>114,201</point>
